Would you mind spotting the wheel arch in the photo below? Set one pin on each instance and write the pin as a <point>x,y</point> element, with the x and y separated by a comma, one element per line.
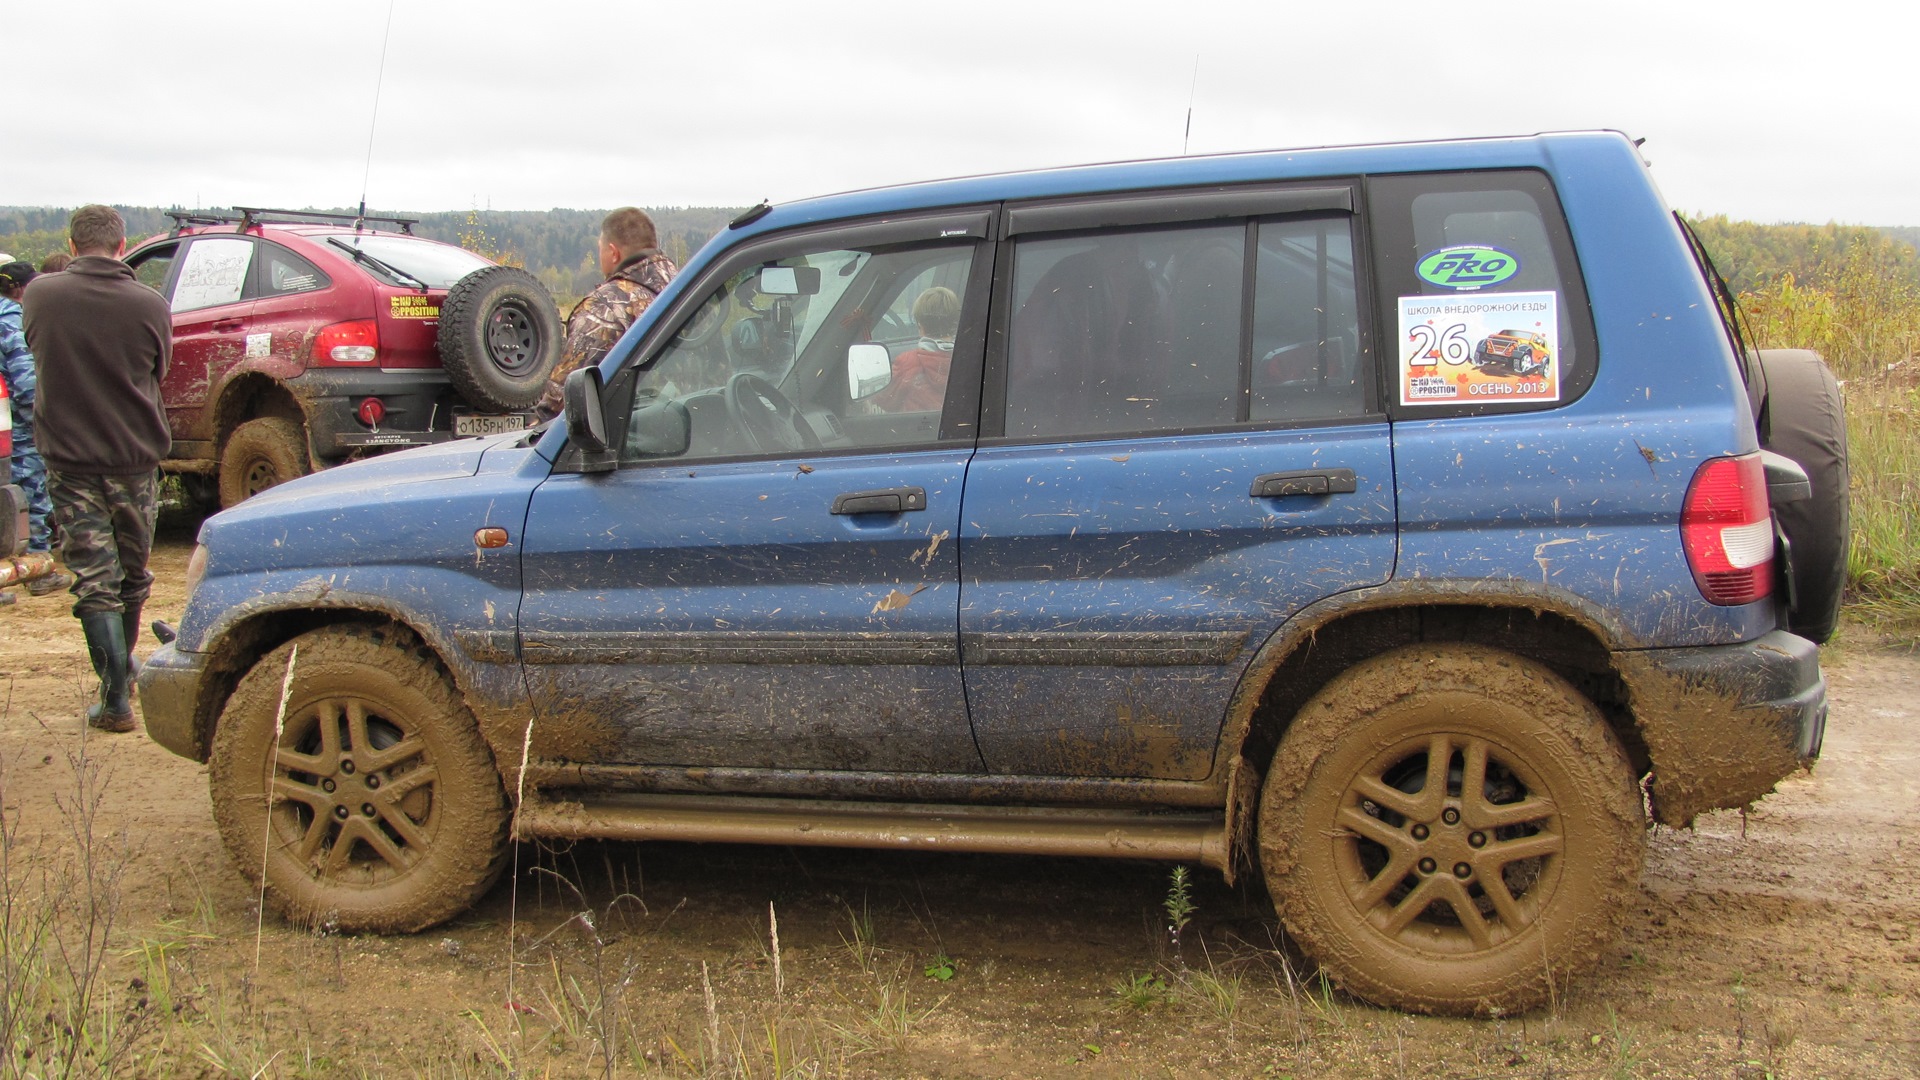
<point>1560,632</point>
<point>251,395</point>
<point>240,645</point>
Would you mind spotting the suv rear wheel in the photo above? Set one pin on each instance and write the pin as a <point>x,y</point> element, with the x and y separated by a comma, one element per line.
<point>260,454</point>
<point>1451,829</point>
<point>354,775</point>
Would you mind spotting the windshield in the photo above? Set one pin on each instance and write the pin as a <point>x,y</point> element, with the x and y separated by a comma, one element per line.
<point>436,265</point>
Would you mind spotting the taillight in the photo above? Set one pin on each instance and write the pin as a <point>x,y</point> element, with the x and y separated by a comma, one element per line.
<point>1727,530</point>
<point>354,342</point>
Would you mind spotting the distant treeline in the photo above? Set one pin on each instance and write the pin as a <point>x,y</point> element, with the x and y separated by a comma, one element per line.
<point>556,245</point>
<point>1752,257</point>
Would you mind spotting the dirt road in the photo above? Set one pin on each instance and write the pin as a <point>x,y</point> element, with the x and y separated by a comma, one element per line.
<point>1784,942</point>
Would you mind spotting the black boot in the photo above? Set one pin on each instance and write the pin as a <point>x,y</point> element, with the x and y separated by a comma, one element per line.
<point>107,648</point>
<point>130,629</point>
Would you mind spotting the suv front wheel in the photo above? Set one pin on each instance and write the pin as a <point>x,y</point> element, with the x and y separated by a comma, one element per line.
<point>348,769</point>
<point>1451,829</point>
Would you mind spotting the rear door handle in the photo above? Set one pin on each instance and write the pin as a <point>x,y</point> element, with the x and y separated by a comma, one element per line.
<point>884,501</point>
<point>1283,485</point>
<point>228,326</point>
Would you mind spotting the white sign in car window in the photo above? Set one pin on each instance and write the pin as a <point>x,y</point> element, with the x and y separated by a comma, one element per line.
<point>214,272</point>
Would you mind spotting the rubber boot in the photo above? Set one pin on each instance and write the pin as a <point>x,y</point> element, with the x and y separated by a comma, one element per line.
<point>130,629</point>
<point>107,648</point>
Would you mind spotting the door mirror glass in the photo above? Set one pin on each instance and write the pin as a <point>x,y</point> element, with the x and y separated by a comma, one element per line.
<point>869,370</point>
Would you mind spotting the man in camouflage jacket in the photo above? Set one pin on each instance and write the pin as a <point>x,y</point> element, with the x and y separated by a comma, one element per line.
<point>636,272</point>
<point>29,472</point>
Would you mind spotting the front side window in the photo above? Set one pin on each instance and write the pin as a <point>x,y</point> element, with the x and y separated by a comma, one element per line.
<point>839,348</point>
<point>1143,330</point>
<point>151,266</point>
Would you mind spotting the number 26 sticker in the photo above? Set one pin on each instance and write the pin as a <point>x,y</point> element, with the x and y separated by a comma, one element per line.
<point>1432,344</point>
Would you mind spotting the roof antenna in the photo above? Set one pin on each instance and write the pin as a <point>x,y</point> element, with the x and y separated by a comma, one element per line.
<point>1188,136</point>
<point>360,219</point>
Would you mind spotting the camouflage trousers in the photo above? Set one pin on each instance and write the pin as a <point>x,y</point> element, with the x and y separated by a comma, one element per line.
<point>106,526</point>
<point>30,473</point>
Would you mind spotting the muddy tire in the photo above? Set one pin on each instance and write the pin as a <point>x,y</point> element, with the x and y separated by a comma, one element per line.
<point>387,811</point>
<point>261,454</point>
<point>1803,416</point>
<point>499,337</point>
<point>1417,886</point>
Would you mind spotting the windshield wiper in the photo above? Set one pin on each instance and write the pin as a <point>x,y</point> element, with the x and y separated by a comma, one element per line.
<point>386,268</point>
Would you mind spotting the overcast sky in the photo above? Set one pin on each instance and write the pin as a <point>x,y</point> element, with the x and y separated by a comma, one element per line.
<point>1760,110</point>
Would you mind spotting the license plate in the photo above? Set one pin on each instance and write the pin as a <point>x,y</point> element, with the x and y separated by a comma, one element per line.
<point>464,426</point>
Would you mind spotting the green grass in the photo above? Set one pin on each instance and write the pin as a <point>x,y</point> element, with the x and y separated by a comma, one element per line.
<point>1867,325</point>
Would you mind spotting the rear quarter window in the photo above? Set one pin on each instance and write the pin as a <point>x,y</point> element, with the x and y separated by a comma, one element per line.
<point>1480,291</point>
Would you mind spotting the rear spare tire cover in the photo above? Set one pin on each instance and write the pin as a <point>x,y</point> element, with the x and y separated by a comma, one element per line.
<point>1803,417</point>
<point>499,337</point>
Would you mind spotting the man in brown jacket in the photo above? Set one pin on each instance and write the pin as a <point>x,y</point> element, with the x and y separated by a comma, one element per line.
<point>636,272</point>
<point>101,342</point>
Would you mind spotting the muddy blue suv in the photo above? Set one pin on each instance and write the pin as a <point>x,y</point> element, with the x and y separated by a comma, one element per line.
<point>1157,510</point>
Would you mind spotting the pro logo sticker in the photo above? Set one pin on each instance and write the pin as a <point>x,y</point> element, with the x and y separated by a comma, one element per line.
<point>1467,266</point>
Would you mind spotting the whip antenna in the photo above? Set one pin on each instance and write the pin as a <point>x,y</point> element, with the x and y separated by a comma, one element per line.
<point>1188,135</point>
<point>373,122</point>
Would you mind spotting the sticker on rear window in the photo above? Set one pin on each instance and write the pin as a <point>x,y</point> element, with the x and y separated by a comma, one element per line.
<point>412,307</point>
<point>1467,266</point>
<point>1479,349</point>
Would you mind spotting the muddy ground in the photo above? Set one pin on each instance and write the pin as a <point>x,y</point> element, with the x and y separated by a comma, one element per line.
<point>1784,942</point>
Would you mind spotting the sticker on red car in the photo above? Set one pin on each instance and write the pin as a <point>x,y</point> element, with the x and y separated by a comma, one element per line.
<point>1498,348</point>
<point>412,306</point>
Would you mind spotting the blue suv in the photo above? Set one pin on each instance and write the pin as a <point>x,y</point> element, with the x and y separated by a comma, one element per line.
<point>1165,510</point>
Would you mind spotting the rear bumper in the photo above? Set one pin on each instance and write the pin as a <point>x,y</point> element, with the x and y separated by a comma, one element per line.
<point>170,687</point>
<point>420,408</point>
<point>1724,723</point>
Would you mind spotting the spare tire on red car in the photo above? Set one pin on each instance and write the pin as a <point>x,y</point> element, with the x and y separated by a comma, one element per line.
<point>1801,414</point>
<point>499,337</point>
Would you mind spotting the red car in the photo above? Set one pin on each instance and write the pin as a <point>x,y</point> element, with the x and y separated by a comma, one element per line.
<point>303,339</point>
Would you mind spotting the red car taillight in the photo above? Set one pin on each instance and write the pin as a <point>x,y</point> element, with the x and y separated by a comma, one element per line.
<point>356,342</point>
<point>1727,530</point>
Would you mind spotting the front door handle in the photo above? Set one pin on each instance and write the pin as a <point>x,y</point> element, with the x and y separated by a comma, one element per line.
<point>1282,485</point>
<point>884,501</point>
<point>228,326</point>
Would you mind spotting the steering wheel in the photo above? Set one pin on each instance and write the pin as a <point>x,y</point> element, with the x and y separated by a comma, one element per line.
<point>771,423</point>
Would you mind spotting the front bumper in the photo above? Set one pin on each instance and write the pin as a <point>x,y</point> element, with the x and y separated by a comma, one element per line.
<point>1724,723</point>
<point>170,688</point>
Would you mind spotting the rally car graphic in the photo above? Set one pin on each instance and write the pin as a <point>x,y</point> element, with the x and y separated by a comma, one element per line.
<point>1520,352</point>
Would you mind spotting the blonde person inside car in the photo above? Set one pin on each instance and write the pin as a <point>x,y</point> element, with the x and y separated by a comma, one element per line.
<point>919,382</point>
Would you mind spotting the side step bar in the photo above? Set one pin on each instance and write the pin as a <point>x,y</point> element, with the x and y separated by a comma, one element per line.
<point>1175,836</point>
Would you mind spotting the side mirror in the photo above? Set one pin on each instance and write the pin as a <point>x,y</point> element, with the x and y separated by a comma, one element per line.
<point>869,370</point>
<point>587,419</point>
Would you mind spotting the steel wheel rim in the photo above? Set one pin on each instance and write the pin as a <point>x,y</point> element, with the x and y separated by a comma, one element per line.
<point>511,339</point>
<point>1458,872</point>
<point>353,793</point>
<point>260,475</point>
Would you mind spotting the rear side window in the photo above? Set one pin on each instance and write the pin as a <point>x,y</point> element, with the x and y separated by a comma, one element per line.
<point>283,273</point>
<point>1166,328</point>
<point>1481,288</point>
